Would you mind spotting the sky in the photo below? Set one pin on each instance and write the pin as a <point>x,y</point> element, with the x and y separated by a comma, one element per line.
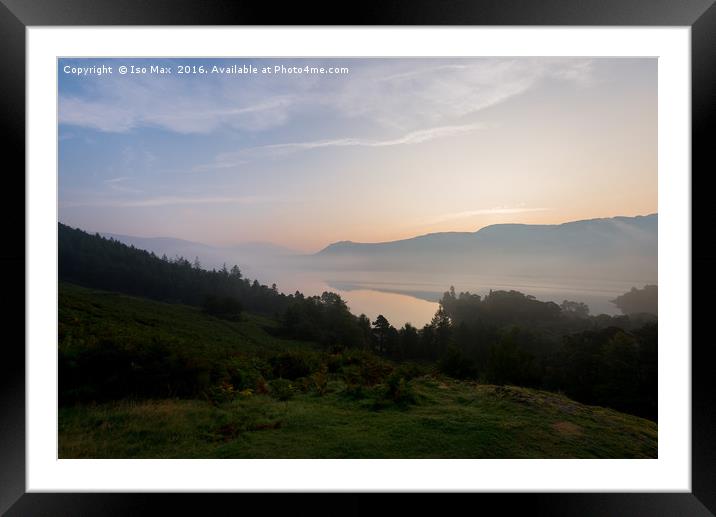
<point>394,148</point>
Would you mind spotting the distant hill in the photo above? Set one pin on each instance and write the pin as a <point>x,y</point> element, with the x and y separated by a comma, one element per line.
<point>618,248</point>
<point>209,256</point>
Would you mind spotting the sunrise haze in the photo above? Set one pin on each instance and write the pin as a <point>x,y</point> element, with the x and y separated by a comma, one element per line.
<point>393,149</point>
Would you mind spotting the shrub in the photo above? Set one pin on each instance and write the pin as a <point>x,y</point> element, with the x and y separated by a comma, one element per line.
<point>354,391</point>
<point>223,392</point>
<point>411,370</point>
<point>399,390</point>
<point>290,366</point>
<point>320,381</point>
<point>107,370</point>
<point>262,387</point>
<point>242,375</point>
<point>303,384</point>
<point>374,370</point>
<point>396,391</point>
<point>352,375</point>
<point>281,389</point>
<point>261,366</point>
<point>335,362</point>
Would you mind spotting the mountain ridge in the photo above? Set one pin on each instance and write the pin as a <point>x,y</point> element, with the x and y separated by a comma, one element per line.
<point>619,248</point>
<point>489,228</point>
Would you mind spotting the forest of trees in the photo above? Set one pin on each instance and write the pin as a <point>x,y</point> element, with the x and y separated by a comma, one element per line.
<point>95,261</point>
<point>505,337</point>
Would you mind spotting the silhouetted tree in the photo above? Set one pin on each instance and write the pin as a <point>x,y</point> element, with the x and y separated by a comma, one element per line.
<point>443,331</point>
<point>381,330</point>
<point>409,342</point>
<point>637,301</point>
<point>576,309</point>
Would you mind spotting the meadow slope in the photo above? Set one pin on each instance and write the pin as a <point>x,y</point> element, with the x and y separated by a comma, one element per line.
<point>337,410</point>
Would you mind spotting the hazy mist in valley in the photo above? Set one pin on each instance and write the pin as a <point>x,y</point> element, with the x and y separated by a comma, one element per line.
<point>591,261</point>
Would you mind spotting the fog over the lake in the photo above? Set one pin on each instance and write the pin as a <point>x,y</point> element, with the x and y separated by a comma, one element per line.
<point>586,261</point>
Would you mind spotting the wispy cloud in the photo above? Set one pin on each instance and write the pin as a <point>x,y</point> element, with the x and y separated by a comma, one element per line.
<point>414,137</point>
<point>400,94</point>
<point>485,211</point>
<point>117,184</point>
<point>228,160</point>
<point>121,104</point>
<point>112,181</point>
<point>407,94</point>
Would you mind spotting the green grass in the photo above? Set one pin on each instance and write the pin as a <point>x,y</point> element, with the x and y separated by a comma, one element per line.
<point>442,417</point>
<point>451,420</point>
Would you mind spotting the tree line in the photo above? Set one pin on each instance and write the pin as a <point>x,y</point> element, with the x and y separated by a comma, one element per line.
<point>105,263</point>
<point>507,337</point>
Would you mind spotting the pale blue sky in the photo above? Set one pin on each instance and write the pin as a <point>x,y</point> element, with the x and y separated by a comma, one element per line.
<point>394,148</point>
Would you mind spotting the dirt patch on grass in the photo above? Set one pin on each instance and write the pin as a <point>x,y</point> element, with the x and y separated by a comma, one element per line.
<point>567,428</point>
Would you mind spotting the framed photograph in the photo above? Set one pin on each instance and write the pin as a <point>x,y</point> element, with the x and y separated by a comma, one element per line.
<point>415,251</point>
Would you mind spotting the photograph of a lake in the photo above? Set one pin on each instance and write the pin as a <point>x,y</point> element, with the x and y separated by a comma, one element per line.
<point>449,257</point>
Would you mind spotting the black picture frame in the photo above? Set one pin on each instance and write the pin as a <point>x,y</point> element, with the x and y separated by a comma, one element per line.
<point>17,15</point>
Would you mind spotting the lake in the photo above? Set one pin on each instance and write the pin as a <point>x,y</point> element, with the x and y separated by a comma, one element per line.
<point>413,297</point>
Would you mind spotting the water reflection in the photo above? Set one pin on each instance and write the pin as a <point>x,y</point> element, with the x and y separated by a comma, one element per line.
<point>398,308</point>
<point>413,297</point>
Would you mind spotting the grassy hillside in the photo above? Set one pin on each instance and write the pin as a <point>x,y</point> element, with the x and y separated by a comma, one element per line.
<point>349,405</point>
<point>452,420</point>
<point>86,316</point>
